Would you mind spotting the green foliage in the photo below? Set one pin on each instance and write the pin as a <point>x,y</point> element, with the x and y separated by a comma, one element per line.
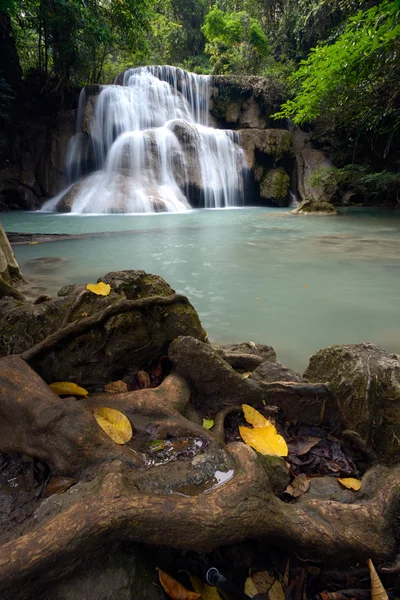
<point>371,187</point>
<point>235,42</point>
<point>353,81</point>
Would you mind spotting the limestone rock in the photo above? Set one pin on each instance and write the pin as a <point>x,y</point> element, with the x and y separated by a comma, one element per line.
<point>310,207</point>
<point>274,186</point>
<point>271,142</point>
<point>365,381</point>
<point>124,342</point>
<point>309,160</point>
<point>267,353</point>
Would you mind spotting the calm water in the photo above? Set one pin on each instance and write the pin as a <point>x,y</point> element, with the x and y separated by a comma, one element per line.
<point>296,283</point>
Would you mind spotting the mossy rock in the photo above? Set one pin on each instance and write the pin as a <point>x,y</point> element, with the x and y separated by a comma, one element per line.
<point>365,381</point>
<point>310,206</point>
<point>274,186</point>
<point>120,345</point>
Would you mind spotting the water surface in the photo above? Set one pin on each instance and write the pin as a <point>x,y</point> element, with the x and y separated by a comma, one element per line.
<point>297,283</point>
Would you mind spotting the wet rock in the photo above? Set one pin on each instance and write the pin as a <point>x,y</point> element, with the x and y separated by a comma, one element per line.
<point>274,371</point>
<point>365,381</point>
<point>274,186</point>
<point>44,264</point>
<point>310,206</point>
<point>122,343</point>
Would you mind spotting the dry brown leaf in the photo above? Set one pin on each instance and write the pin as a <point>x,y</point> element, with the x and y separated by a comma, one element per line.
<point>174,589</point>
<point>276,591</point>
<point>207,592</point>
<point>378,592</point>
<point>114,423</point>
<point>263,580</point>
<point>144,379</point>
<point>67,388</point>
<point>58,484</point>
<point>350,483</point>
<point>299,486</point>
<point>100,289</point>
<point>254,417</point>
<point>265,440</point>
<point>302,445</point>
<point>116,387</point>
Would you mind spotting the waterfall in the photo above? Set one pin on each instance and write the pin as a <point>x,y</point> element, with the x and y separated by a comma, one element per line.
<point>148,147</point>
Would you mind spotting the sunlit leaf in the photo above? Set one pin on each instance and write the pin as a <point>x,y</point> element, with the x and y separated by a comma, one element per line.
<point>67,388</point>
<point>174,589</point>
<point>377,590</point>
<point>32,243</point>
<point>101,289</point>
<point>351,483</point>
<point>207,592</point>
<point>208,423</point>
<point>265,440</point>
<point>254,417</point>
<point>114,423</point>
<point>250,588</point>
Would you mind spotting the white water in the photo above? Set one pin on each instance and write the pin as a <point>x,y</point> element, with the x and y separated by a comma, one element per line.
<point>152,149</point>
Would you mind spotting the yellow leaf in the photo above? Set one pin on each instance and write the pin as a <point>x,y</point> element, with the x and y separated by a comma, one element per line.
<point>254,417</point>
<point>67,388</point>
<point>174,589</point>
<point>247,374</point>
<point>265,583</point>
<point>31,243</point>
<point>101,289</point>
<point>250,588</point>
<point>115,424</point>
<point>350,483</point>
<point>265,440</point>
<point>257,297</point>
<point>208,423</point>
<point>276,591</point>
<point>377,590</point>
<point>207,592</point>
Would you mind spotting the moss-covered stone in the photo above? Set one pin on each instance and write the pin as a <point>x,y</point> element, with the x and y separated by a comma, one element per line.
<point>119,345</point>
<point>275,143</point>
<point>274,186</point>
<point>310,206</point>
<point>365,381</point>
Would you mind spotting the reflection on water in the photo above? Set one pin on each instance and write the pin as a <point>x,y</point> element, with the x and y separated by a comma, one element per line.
<point>296,283</point>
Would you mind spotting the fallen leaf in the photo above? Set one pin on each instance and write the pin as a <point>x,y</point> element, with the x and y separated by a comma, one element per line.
<point>67,388</point>
<point>247,374</point>
<point>265,440</point>
<point>58,484</point>
<point>101,289</point>
<point>350,483</point>
<point>208,423</point>
<point>257,297</point>
<point>31,243</point>
<point>302,445</point>
<point>377,590</point>
<point>299,486</point>
<point>305,286</point>
<point>254,417</point>
<point>144,379</point>
<point>276,591</point>
<point>116,387</point>
<point>265,583</point>
<point>250,588</point>
<point>114,423</point>
<point>207,592</point>
<point>174,589</point>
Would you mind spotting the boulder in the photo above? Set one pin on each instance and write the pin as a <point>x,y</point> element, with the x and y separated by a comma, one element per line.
<point>312,207</point>
<point>122,343</point>
<point>274,186</point>
<point>365,381</point>
<point>274,371</point>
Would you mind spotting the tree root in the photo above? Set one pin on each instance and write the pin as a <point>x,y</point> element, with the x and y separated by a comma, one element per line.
<point>78,327</point>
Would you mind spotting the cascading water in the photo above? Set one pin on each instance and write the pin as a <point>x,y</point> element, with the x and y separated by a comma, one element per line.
<point>151,148</point>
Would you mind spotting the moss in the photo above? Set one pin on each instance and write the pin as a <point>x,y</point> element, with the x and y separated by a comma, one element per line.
<point>275,185</point>
<point>311,206</point>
